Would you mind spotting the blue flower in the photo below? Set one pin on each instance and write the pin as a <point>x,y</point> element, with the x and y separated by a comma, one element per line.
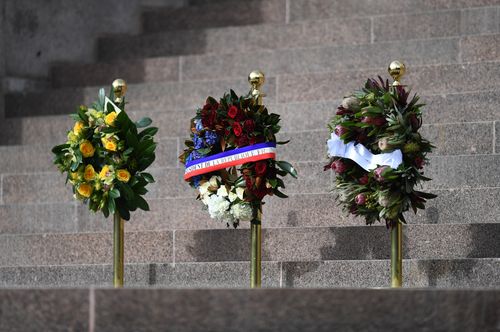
<point>211,137</point>
<point>199,125</point>
<point>193,156</point>
<point>196,181</point>
<point>198,142</point>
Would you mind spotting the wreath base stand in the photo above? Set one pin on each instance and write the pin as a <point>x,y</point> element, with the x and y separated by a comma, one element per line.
<point>256,79</point>
<point>397,255</point>
<point>119,89</point>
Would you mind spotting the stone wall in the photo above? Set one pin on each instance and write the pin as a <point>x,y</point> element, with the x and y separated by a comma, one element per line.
<point>38,33</point>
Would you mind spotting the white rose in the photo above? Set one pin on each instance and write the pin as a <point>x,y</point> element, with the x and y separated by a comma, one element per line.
<point>242,211</point>
<point>217,205</point>
<point>204,188</point>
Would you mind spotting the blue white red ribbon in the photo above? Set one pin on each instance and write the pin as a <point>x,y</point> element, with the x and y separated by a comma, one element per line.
<point>230,158</point>
<point>361,155</point>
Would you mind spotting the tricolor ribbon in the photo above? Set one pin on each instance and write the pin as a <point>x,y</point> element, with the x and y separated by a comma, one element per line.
<point>361,155</point>
<point>230,158</point>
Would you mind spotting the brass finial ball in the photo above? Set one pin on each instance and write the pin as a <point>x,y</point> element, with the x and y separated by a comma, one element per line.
<point>256,78</point>
<point>397,69</point>
<point>119,89</point>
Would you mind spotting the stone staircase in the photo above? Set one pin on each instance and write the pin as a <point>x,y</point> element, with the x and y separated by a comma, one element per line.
<point>313,53</point>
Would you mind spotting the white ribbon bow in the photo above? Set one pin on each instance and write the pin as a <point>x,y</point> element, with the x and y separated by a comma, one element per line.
<point>361,155</point>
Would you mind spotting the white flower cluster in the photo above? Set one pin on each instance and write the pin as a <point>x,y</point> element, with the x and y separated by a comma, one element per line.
<point>225,205</point>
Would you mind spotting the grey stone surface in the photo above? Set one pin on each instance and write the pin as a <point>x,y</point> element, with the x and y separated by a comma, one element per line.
<point>443,79</point>
<point>480,20</point>
<point>38,34</point>
<point>321,59</point>
<point>83,248</point>
<point>297,310</point>
<point>38,218</point>
<point>463,138</point>
<point>323,9</point>
<point>214,15</point>
<point>164,214</point>
<point>166,152</point>
<point>44,310</point>
<point>35,188</point>
<point>337,243</point>
<point>480,48</point>
<point>27,130</point>
<point>54,276</point>
<point>454,172</point>
<point>27,158</point>
<point>469,273</point>
<point>136,71</point>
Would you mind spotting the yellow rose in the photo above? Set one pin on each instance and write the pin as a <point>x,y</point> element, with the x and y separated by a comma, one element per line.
<point>77,129</point>
<point>85,190</point>
<point>104,172</point>
<point>110,118</point>
<point>123,175</point>
<point>89,173</point>
<point>73,175</point>
<point>87,149</point>
<point>109,143</point>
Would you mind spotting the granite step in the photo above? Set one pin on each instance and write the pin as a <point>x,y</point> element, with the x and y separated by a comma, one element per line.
<point>291,310</point>
<point>308,58</point>
<point>453,206</point>
<point>439,273</point>
<point>425,241</point>
<point>447,172</point>
<point>287,88</point>
<point>214,15</point>
<point>336,31</point>
<point>440,109</point>
<point>280,11</point>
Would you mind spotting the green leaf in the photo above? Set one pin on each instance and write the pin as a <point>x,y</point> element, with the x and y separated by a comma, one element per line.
<point>59,148</point>
<point>128,194</point>
<point>279,193</point>
<point>287,167</point>
<point>148,132</point>
<point>114,193</point>
<point>141,203</point>
<point>122,209</point>
<point>111,205</point>
<point>132,139</point>
<point>148,177</point>
<point>144,122</point>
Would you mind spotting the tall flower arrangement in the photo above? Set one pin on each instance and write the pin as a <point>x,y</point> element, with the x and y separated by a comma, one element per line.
<point>232,124</point>
<point>105,158</point>
<point>378,156</point>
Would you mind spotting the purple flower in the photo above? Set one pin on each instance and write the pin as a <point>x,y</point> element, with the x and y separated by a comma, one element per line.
<point>193,156</point>
<point>340,130</point>
<point>360,199</point>
<point>339,166</point>
<point>211,137</point>
<point>378,173</point>
<point>198,142</point>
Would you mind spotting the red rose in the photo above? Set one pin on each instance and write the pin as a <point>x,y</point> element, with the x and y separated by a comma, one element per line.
<point>260,168</point>
<point>232,112</point>
<point>242,140</point>
<point>237,129</point>
<point>249,126</point>
<point>252,141</point>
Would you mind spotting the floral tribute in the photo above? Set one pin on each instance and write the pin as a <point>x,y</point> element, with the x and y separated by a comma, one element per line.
<point>229,158</point>
<point>382,121</point>
<point>105,157</point>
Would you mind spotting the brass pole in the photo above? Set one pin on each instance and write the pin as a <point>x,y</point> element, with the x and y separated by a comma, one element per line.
<point>118,252</point>
<point>397,255</point>
<point>256,79</point>
<point>256,250</point>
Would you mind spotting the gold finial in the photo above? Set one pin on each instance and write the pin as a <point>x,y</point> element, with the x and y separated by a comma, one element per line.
<point>119,89</point>
<point>396,69</point>
<point>256,79</point>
